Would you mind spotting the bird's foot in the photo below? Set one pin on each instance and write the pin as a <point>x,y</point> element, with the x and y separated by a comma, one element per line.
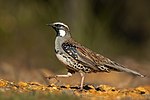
<point>52,77</point>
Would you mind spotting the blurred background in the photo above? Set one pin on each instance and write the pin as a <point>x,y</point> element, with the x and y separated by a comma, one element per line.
<point>118,29</point>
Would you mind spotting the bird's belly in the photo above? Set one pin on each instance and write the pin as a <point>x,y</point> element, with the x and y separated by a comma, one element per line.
<point>72,64</point>
<point>63,59</point>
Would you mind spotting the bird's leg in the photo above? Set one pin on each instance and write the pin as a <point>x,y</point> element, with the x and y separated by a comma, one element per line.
<point>82,80</point>
<point>64,76</point>
<point>61,76</point>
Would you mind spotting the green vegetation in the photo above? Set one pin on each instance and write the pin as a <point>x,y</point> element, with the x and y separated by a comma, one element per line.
<point>112,28</point>
<point>10,95</point>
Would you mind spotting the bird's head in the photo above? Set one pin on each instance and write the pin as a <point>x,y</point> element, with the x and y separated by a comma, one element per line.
<point>60,28</point>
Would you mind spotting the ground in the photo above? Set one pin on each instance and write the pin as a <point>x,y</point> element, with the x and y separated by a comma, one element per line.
<point>35,90</point>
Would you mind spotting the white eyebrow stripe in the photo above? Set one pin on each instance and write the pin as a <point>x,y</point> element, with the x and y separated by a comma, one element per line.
<point>61,24</point>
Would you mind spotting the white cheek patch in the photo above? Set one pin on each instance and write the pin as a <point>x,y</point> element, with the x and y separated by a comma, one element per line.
<point>62,33</point>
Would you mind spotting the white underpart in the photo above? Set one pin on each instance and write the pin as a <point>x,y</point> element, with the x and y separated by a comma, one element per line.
<point>65,60</point>
<point>62,33</point>
<point>62,59</point>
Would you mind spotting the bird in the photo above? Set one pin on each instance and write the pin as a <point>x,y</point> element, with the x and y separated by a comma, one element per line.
<point>79,58</point>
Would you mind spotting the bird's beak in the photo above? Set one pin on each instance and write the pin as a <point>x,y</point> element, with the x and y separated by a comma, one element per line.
<point>52,25</point>
<point>49,24</point>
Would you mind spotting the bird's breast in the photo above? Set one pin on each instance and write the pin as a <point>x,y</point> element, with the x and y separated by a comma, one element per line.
<point>62,58</point>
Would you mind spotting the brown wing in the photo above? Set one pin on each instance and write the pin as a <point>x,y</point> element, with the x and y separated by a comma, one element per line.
<point>85,55</point>
<point>93,60</point>
<point>97,61</point>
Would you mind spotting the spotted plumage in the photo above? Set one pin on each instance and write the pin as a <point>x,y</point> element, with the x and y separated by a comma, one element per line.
<point>80,59</point>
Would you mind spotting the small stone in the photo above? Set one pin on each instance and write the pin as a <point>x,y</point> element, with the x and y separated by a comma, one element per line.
<point>22,84</point>
<point>3,83</point>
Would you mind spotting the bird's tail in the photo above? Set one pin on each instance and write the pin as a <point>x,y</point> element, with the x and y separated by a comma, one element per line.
<point>119,67</point>
<point>132,72</point>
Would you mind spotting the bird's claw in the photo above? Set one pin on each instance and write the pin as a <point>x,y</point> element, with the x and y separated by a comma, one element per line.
<point>51,77</point>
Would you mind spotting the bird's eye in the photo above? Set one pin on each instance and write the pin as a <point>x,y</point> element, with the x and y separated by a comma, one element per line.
<point>58,25</point>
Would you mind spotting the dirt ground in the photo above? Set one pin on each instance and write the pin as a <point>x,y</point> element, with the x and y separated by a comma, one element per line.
<point>107,86</point>
<point>89,92</point>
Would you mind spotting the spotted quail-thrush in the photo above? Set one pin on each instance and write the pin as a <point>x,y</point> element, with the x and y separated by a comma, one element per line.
<point>78,58</point>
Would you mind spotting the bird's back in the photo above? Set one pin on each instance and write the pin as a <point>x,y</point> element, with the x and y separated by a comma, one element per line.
<point>96,62</point>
